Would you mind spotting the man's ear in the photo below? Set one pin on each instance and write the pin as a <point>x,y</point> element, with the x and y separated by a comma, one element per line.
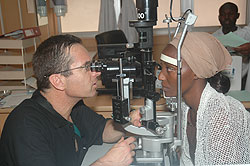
<point>238,15</point>
<point>57,81</point>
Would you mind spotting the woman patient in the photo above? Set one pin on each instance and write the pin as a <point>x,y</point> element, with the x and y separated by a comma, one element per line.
<point>216,128</point>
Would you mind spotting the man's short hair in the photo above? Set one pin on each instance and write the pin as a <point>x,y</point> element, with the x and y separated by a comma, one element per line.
<point>229,5</point>
<point>52,56</point>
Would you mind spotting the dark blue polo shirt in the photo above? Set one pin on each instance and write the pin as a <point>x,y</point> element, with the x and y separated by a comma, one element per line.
<point>35,134</point>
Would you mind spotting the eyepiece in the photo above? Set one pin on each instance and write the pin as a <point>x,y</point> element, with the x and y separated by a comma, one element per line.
<point>98,66</point>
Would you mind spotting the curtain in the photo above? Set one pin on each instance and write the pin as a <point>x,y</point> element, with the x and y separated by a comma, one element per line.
<point>128,12</point>
<point>107,19</point>
<point>248,12</point>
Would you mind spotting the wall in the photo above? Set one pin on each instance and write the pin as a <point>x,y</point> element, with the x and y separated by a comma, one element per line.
<point>248,12</point>
<point>83,15</point>
<point>10,15</point>
<point>14,20</point>
<point>205,15</point>
<point>77,10</point>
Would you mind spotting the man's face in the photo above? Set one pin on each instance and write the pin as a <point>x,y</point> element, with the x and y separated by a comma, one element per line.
<point>228,17</point>
<point>168,74</point>
<point>81,83</point>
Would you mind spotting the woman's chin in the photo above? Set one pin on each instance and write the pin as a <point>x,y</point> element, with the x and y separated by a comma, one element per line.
<point>169,94</point>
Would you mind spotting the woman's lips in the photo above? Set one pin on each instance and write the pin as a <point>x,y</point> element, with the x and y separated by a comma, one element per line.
<point>164,88</point>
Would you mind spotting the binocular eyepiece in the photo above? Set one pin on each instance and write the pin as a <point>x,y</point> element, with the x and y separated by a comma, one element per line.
<point>113,66</point>
<point>98,66</point>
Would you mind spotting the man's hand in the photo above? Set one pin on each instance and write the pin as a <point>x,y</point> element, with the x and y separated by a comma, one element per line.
<point>135,118</point>
<point>120,154</point>
<point>243,49</point>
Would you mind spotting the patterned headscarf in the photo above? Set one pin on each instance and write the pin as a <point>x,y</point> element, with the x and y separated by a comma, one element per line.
<point>204,54</point>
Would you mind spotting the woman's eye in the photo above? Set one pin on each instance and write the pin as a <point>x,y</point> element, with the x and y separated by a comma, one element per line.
<point>170,69</point>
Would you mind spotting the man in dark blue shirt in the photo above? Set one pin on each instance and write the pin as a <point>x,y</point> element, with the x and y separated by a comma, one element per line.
<point>54,127</point>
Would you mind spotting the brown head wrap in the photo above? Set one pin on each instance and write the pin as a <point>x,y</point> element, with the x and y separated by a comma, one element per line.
<point>204,54</point>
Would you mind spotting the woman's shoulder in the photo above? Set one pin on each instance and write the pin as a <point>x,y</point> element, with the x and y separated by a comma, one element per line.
<point>212,101</point>
<point>210,96</point>
<point>215,102</point>
<point>235,104</point>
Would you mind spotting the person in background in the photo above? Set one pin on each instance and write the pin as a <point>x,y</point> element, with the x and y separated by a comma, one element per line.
<point>54,127</point>
<point>244,49</point>
<point>216,128</point>
<point>228,15</point>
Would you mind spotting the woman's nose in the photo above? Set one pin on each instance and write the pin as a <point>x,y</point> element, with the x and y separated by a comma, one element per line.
<point>161,76</point>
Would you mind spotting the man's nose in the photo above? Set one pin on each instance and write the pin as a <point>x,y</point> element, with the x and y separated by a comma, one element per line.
<point>96,73</point>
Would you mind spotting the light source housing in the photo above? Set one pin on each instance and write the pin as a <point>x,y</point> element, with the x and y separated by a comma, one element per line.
<point>60,7</point>
<point>41,8</point>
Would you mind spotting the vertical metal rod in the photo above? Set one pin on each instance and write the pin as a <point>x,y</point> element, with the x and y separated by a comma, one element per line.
<point>59,27</point>
<point>177,28</point>
<point>24,69</point>
<point>20,14</point>
<point>1,19</point>
<point>121,79</point>
<point>126,85</point>
<point>169,33</point>
<point>48,30</point>
<point>117,88</point>
<point>34,40</point>
<point>179,94</point>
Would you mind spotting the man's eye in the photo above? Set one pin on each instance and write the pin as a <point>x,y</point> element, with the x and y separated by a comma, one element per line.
<point>88,67</point>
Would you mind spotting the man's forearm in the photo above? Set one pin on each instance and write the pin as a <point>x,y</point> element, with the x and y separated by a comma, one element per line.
<point>244,49</point>
<point>112,132</point>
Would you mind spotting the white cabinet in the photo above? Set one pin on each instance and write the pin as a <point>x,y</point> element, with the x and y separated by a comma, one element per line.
<point>15,62</point>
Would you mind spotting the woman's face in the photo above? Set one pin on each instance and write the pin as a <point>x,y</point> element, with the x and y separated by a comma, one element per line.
<point>168,74</point>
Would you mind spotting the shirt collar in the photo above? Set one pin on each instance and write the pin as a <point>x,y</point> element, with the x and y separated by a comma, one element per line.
<point>57,119</point>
